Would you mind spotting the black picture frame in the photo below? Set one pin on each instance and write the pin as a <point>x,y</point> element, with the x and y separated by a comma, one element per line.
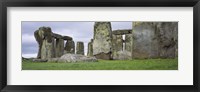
<point>100,3</point>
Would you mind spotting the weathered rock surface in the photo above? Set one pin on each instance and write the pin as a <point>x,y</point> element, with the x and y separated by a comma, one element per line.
<point>47,48</point>
<point>57,36</point>
<point>123,55</point>
<point>102,43</point>
<point>80,48</point>
<point>59,49</point>
<point>70,47</point>
<point>154,39</point>
<point>122,31</point>
<point>90,48</point>
<point>168,39</point>
<point>128,45</point>
<point>128,42</point>
<point>67,38</point>
<point>145,41</point>
<point>76,58</point>
<point>38,34</point>
<point>117,45</point>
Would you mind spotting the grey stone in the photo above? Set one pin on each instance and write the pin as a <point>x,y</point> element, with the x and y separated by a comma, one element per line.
<point>70,47</point>
<point>80,48</point>
<point>168,39</point>
<point>122,31</point>
<point>57,36</point>
<point>117,45</point>
<point>102,43</point>
<point>76,58</point>
<point>145,41</point>
<point>38,34</point>
<point>67,38</point>
<point>47,48</point>
<point>128,42</point>
<point>59,47</point>
<point>128,45</point>
<point>90,48</point>
<point>155,39</point>
<point>123,55</point>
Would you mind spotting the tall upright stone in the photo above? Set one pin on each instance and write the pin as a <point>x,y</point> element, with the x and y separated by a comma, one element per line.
<point>47,43</point>
<point>59,47</point>
<point>168,39</point>
<point>117,45</point>
<point>128,46</point>
<point>145,40</point>
<point>38,34</point>
<point>70,47</point>
<point>90,48</point>
<point>102,44</point>
<point>80,48</point>
<point>54,47</point>
<point>155,39</point>
<point>128,42</point>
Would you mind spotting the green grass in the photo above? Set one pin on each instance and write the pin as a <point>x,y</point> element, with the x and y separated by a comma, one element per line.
<point>145,64</point>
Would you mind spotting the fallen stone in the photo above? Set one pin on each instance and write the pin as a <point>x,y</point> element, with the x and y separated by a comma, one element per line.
<point>76,58</point>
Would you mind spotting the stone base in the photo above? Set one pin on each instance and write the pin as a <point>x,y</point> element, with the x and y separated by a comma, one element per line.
<point>105,56</point>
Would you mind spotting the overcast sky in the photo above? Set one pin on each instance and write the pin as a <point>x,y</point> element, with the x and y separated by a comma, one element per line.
<point>79,31</point>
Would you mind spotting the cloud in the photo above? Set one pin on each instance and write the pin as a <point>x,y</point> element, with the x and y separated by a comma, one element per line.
<point>28,38</point>
<point>29,55</point>
<point>28,48</point>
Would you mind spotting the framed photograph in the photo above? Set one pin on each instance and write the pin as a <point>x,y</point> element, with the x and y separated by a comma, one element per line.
<point>121,45</point>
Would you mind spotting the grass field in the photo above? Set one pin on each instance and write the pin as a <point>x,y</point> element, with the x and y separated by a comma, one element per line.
<point>146,64</point>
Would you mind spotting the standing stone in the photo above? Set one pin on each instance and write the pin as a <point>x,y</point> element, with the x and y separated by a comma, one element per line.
<point>59,47</point>
<point>54,47</point>
<point>70,47</point>
<point>175,32</point>
<point>128,42</point>
<point>145,40</point>
<point>90,48</point>
<point>117,45</point>
<point>80,48</point>
<point>168,41</point>
<point>39,38</point>
<point>47,43</point>
<point>102,44</point>
<point>128,46</point>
